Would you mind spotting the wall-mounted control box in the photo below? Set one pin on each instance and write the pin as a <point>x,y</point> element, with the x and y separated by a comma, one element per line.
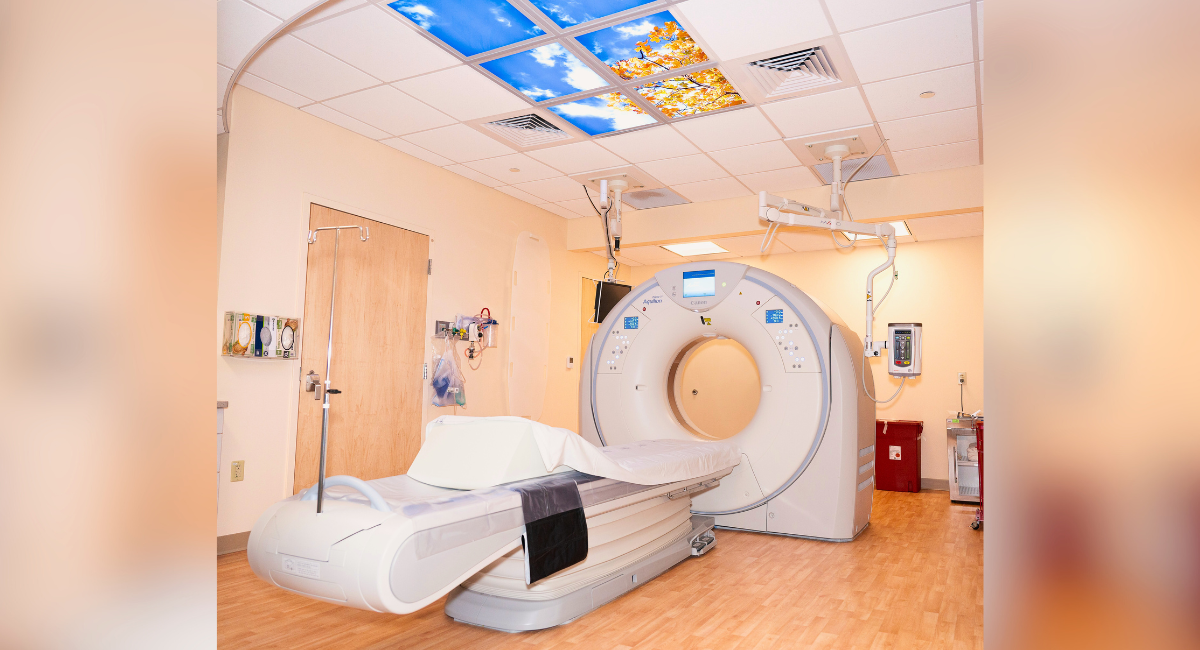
<point>904,349</point>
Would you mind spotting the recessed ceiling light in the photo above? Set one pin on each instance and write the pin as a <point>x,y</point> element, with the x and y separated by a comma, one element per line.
<point>513,169</point>
<point>693,248</point>
<point>900,226</point>
<point>927,94</point>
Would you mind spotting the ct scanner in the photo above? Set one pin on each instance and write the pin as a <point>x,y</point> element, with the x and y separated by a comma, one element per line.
<point>808,453</point>
<point>521,526</point>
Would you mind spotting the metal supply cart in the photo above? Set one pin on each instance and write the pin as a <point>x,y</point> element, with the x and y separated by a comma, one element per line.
<point>962,453</point>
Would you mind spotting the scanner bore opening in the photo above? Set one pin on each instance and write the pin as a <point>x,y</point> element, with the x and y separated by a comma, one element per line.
<point>714,387</point>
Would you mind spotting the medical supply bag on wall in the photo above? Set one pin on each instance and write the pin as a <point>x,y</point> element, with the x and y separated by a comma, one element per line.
<point>447,382</point>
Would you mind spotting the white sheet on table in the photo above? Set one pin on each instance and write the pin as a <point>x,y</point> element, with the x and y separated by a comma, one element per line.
<point>445,463</point>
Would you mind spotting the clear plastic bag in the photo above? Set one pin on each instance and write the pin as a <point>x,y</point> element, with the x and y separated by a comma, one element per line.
<point>449,389</point>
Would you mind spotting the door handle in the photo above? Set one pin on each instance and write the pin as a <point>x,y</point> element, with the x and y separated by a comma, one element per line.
<point>312,384</point>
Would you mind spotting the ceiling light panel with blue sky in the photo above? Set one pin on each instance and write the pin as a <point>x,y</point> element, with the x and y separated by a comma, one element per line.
<point>470,26</point>
<point>568,13</point>
<point>545,72</point>
<point>602,114</point>
<point>617,46</point>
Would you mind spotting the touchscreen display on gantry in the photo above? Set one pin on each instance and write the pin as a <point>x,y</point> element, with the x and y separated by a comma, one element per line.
<point>697,284</point>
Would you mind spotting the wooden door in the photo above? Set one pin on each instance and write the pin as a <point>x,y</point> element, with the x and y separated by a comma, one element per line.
<point>378,349</point>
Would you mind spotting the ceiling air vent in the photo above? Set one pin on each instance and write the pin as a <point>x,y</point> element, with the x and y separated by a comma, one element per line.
<point>528,130</point>
<point>790,73</point>
<point>876,167</point>
<point>647,199</point>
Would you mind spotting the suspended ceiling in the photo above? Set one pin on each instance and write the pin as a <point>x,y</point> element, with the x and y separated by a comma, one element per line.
<point>372,68</point>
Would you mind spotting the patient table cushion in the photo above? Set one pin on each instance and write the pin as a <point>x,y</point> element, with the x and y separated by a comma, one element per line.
<point>469,453</point>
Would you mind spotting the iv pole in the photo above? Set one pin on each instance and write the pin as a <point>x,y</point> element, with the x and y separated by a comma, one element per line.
<point>364,233</point>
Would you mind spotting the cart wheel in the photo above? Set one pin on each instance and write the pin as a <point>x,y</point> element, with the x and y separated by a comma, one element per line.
<point>976,524</point>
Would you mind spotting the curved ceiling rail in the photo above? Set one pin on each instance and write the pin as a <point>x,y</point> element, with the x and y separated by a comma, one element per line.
<point>279,29</point>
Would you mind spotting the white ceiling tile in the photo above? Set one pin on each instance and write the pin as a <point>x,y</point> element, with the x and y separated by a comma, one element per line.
<point>712,190</point>
<point>523,196</point>
<point>649,144</point>
<point>949,226</point>
<point>781,180</point>
<point>558,188</point>
<point>751,245</point>
<point>760,157</point>
<point>581,207</point>
<point>652,255</point>
<point>577,157</point>
<point>377,44</point>
<point>289,8</point>
<point>748,27</point>
<point>223,75</point>
<point>728,130</point>
<point>979,27</point>
<point>716,256</point>
<point>463,93</point>
<point>687,169</point>
<point>806,240</point>
<point>559,210</point>
<point>900,98</point>
<point>928,42</point>
<point>855,14</point>
<point>944,156</point>
<point>839,109</point>
<point>239,28</point>
<point>344,121</point>
<point>502,168</point>
<point>302,68</point>
<point>260,85</point>
<point>463,170</point>
<point>930,130</point>
<point>417,152</point>
<point>459,143</point>
<point>389,109</point>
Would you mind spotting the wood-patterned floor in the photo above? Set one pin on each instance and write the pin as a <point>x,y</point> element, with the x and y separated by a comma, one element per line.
<point>913,579</point>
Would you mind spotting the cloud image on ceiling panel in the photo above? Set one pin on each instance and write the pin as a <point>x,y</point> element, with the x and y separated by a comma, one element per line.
<point>469,26</point>
<point>568,13</point>
<point>545,72</point>
<point>603,114</point>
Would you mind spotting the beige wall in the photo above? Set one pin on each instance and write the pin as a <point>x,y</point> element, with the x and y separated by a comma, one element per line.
<point>941,286</point>
<point>278,160</point>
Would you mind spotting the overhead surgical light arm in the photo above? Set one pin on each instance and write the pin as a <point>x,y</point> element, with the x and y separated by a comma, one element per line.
<point>778,210</point>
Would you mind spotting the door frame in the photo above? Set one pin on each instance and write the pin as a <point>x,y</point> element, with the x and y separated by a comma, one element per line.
<point>300,236</point>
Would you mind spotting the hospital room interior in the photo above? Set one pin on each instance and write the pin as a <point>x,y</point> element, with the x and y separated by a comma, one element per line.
<point>614,324</point>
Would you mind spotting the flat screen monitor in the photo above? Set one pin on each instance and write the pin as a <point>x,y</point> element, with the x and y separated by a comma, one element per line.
<point>699,284</point>
<point>608,294</point>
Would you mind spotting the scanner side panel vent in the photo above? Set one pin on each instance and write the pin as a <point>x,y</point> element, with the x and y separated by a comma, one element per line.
<point>527,130</point>
<point>793,72</point>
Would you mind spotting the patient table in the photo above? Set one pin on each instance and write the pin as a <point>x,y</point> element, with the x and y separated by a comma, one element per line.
<point>527,554</point>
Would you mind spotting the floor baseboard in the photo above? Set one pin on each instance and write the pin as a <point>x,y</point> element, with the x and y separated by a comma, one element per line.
<point>940,484</point>
<point>232,543</point>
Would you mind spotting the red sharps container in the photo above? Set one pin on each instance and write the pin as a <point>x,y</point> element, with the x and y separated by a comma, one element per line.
<point>898,455</point>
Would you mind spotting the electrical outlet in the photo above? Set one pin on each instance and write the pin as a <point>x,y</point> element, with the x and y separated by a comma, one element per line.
<point>238,471</point>
<point>962,377</point>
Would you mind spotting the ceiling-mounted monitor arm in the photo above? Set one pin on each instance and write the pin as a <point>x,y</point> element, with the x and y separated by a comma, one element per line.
<point>778,211</point>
